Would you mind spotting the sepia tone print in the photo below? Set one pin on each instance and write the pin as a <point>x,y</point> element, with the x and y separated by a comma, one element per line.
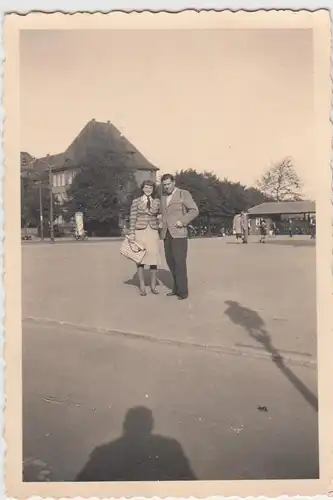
<point>172,246</point>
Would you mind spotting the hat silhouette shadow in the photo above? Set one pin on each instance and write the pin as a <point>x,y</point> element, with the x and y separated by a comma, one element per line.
<point>138,455</point>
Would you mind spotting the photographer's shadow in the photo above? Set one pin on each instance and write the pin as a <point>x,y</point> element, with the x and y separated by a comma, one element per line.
<point>138,455</point>
<point>164,277</point>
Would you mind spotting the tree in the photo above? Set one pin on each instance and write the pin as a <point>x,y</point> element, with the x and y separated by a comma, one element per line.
<point>255,197</point>
<point>218,197</point>
<point>102,189</point>
<point>205,188</point>
<point>281,182</point>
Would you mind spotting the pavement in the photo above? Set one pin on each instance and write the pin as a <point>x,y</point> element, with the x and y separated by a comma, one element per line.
<point>229,375</point>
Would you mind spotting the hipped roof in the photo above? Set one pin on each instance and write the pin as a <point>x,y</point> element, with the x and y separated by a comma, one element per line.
<point>283,207</point>
<point>103,137</point>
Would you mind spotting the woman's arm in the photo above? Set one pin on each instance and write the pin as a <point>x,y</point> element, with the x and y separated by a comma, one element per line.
<point>133,217</point>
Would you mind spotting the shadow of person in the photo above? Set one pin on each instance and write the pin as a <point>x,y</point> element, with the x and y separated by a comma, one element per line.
<point>138,455</point>
<point>253,323</point>
<point>163,276</point>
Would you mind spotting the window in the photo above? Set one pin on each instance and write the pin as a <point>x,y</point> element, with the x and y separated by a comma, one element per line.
<point>70,177</point>
<point>55,180</point>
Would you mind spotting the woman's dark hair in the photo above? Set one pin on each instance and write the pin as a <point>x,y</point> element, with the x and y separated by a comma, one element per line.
<point>167,176</point>
<point>148,182</point>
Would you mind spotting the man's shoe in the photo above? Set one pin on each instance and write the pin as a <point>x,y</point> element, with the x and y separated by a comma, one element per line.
<point>182,297</point>
<point>171,294</point>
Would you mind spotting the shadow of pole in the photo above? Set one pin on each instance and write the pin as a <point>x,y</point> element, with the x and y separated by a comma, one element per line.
<point>252,322</point>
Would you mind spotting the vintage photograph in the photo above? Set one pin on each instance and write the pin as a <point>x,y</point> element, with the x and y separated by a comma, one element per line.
<point>168,208</point>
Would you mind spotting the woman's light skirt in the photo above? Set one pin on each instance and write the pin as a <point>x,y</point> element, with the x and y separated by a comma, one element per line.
<point>150,239</point>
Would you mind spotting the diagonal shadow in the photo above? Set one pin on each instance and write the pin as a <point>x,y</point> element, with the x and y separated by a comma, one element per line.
<point>293,242</point>
<point>252,322</point>
<point>138,455</point>
<point>163,276</point>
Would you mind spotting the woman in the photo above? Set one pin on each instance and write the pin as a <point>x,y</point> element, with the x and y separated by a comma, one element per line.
<point>263,231</point>
<point>144,225</point>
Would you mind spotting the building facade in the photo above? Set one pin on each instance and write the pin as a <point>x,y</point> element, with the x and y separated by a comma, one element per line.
<point>98,138</point>
<point>286,216</point>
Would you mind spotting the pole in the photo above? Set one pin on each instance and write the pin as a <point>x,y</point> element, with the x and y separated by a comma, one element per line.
<point>41,211</point>
<point>51,205</point>
<point>22,204</point>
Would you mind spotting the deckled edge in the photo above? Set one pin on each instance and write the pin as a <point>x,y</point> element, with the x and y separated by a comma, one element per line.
<point>2,288</point>
<point>72,12</point>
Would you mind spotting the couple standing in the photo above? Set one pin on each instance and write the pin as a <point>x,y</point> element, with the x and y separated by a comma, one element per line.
<point>167,218</point>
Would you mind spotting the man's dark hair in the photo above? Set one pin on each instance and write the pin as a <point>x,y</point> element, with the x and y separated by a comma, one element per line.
<point>166,177</point>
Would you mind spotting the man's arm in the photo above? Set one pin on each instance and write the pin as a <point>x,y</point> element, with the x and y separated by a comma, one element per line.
<point>191,207</point>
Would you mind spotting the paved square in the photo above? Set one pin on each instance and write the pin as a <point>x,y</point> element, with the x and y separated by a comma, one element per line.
<point>91,284</point>
<point>93,348</point>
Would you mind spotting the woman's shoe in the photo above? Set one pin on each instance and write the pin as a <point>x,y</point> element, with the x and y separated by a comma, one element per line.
<point>143,293</point>
<point>154,291</point>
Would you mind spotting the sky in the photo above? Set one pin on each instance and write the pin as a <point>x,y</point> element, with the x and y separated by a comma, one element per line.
<point>228,101</point>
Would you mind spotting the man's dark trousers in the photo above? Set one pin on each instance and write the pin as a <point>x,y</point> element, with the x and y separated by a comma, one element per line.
<point>175,254</point>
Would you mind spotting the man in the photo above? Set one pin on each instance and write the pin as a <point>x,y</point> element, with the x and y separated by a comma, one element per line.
<point>178,210</point>
<point>313,228</point>
<point>290,228</point>
<point>245,226</point>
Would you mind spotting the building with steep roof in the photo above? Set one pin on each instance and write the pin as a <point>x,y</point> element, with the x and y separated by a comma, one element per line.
<point>95,136</point>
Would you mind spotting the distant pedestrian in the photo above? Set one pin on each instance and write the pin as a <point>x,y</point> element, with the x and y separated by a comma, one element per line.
<point>237,227</point>
<point>263,231</point>
<point>245,226</point>
<point>290,229</point>
<point>240,227</point>
<point>313,228</point>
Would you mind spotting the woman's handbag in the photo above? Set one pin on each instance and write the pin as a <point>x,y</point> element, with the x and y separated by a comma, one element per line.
<point>133,250</point>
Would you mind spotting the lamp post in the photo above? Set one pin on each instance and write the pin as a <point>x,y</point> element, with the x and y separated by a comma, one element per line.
<point>49,170</point>
<point>41,221</point>
<point>51,202</point>
<point>33,161</point>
